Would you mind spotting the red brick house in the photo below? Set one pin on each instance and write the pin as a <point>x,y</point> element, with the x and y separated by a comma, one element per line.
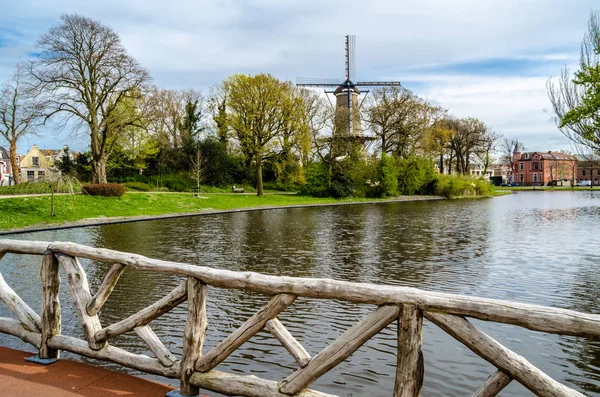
<point>543,168</point>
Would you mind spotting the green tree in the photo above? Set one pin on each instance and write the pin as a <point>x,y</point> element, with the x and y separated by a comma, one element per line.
<point>576,100</point>
<point>85,72</point>
<point>260,109</point>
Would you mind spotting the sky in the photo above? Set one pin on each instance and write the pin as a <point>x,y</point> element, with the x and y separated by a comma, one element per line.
<point>477,58</point>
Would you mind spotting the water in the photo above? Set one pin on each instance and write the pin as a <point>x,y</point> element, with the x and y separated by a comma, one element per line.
<point>535,247</point>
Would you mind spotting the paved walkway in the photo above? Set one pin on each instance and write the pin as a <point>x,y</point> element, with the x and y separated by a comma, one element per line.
<point>20,378</point>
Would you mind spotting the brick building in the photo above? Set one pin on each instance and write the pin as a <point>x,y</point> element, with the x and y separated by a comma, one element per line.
<point>543,168</point>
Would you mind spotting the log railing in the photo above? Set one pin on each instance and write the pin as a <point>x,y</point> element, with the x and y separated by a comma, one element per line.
<point>196,369</point>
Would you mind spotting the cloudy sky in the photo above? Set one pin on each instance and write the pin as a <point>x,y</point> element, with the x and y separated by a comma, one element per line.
<point>481,58</point>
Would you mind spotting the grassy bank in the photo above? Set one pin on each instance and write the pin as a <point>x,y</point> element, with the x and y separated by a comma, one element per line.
<point>35,211</point>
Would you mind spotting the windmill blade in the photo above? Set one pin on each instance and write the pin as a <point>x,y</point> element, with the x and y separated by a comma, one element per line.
<point>351,56</point>
<point>317,82</point>
<point>378,83</point>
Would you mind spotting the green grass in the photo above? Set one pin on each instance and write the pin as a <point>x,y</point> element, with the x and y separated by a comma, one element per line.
<point>21,212</point>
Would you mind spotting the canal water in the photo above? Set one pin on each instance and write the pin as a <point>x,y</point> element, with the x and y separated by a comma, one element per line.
<point>535,247</point>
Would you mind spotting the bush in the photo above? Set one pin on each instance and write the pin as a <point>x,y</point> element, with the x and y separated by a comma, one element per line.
<point>104,189</point>
<point>462,186</point>
<point>317,175</point>
<point>141,186</point>
<point>414,174</point>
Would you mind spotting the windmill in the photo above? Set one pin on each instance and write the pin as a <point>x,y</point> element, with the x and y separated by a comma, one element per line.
<point>348,127</point>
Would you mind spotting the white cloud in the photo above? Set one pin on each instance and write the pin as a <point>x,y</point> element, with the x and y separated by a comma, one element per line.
<point>199,43</point>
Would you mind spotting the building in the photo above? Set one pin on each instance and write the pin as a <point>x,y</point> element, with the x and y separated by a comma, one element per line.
<point>543,168</point>
<point>38,164</point>
<point>6,174</point>
<point>588,168</point>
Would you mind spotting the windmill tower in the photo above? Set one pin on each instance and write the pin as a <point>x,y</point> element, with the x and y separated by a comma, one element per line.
<point>347,126</point>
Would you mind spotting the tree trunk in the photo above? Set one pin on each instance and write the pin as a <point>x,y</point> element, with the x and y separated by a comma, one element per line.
<point>99,169</point>
<point>441,163</point>
<point>259,179</point>
<point>13,162</point>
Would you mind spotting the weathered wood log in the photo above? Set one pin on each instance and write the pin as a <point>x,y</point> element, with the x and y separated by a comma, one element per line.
<point>410,367</point>
<point>105,289</point>
<point>24,247</point>
<point>340,349</point>
<point>241,335</point>
<point>288,341</point>
<point>80,293</point>
<point>163,355</point>
<point>50,304</point>
<point>493,385</point>
<point>249,385</point>
<point>144,316</point>
<point>116,355</point>
<point>16,328</point>
<point>193,334</point>
<point>21,310</point>
<point>534,317</point>
<point>504,359</point>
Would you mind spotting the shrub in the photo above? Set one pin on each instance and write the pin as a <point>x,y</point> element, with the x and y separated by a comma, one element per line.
<point>142,187</point>
<point>104,189</point>
<point>317,175</point>
<point>414,174</point>
<point>462,186</point>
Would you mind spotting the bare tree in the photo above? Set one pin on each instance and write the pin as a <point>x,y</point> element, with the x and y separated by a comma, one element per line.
<point>20,114</point>
<point>508,146</point>
<point>468,138</point>
<point>85,72</point>
<point>575,97</point>
<point>399,119</point>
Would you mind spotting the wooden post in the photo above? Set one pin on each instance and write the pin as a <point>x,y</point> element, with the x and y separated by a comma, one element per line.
<point>493,385</point>
<point>19,308</point>
<point>50,304</point>
<point>409,370</point>
<point>80,293</point>
<point>508,361</point>
<point>254,324</point>
<point>340,349</point>
<point>288,341</point>
<point>193,334</point>
<point>107,286</point>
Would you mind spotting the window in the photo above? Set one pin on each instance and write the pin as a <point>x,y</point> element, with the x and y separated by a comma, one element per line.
<point>536,156</point>
<point>35,161</point>
<point>30,176</point>
<point>535,176</point>
<point>598,172</point>
<point>583,172</point>
<point>535,166</point>
<point>41,175</point>
<point>521,177</point>
<point>521,167</point>
<point>526,155</point>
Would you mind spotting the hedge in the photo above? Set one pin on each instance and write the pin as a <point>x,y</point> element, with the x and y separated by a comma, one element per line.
<point>104,189</point>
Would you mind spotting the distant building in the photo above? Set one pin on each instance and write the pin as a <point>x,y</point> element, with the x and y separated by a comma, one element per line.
<point>588,168</point>
<point>543,168</point>
<point>480,171</point>
<point>38,164</point>
<point>6,174</point>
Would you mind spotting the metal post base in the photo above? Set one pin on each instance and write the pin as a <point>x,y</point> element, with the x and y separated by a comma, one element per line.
<point>38,360</point>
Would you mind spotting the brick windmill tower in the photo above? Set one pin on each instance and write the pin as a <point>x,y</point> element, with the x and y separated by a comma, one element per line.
<point>347,130</point>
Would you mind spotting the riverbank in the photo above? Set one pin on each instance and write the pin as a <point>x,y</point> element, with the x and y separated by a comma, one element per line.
<point>31,213</point>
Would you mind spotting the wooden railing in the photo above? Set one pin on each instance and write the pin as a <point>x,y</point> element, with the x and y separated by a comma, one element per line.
<point>196,370</point>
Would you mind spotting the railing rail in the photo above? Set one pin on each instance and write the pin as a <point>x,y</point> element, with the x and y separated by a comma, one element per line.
<point>196,370</point>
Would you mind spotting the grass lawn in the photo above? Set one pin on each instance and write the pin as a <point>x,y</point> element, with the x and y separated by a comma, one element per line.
<point>35,211</point>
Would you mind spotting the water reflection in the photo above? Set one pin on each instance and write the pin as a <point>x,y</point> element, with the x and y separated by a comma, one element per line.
<point>530,247</point>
